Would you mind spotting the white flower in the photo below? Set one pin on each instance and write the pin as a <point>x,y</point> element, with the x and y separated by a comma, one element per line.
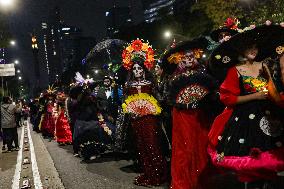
<point>251,116</point>
<point>220,137</point>
<point>241,141</point>
<point>236,119</point>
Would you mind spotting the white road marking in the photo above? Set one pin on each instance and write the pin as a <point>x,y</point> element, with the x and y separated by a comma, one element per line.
<point>17,175</point>
<point>36,175</point>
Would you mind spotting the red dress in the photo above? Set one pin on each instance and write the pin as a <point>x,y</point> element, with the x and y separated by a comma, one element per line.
<point>48,122</point>
<point>189,135</point>
<point>62,129</point>
<point>243,138</point>
<point>147,133</point>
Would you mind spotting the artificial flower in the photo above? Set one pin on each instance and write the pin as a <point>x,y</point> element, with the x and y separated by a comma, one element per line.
<point>137,44</point>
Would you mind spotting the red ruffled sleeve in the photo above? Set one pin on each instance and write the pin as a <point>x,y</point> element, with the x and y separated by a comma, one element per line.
<point>229,92</point>
<point>230,88</point>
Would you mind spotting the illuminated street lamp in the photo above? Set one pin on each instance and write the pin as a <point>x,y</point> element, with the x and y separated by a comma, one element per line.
<point>168,34</point>
<point>6,3</point>
<point>13,42</point>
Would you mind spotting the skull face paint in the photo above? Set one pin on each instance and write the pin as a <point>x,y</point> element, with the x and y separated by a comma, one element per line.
<point>188,61</point>
<point>138,71</point>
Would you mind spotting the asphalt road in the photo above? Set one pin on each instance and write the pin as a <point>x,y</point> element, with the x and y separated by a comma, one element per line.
<point>59,169</point>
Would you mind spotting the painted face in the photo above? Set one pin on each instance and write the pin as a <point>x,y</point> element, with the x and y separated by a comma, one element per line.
<point>251,53</point>
<point>158,70</point>
<point>138,71</point>
<point>188,60</point>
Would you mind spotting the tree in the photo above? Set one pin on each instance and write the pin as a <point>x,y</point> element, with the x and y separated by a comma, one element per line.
<point>219,10</point>
<point>261,11</point>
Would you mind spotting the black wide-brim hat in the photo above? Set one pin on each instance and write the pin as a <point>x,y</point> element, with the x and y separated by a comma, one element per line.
<point>227,54</point>
<point>215,33</point>
<point>197,43</point>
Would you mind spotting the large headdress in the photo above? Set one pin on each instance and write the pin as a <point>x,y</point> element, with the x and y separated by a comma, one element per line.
<point>138,51</point>
<point>174,56</point>
<point>230,26</point>
<point>267,38</point>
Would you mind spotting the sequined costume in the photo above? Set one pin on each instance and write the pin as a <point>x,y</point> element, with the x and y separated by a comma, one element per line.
<point>62,128</point>
<point>48,123</point>
<point>247,138</point>
<point>147,133</point>
<point>191,93</point>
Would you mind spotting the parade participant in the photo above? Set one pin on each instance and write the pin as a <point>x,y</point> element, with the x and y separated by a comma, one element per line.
<point>72,112</point>
<point>191,91</point>
<point>109,99</point>
<point>138,58</point>
<point>220,35</point>
<point>92,134</point>
<point>225,32</point>
<point>161,93</point>
<point>248,136</point>
<point>63,134</point>
<point>47,125</point>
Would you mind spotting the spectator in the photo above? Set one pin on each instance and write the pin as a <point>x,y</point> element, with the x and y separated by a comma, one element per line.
<point>8,122</point>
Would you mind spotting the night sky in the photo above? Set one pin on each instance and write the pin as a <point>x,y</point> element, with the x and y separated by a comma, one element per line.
<point>89,15</point>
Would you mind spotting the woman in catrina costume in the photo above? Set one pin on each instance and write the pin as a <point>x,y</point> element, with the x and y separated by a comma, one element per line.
<point>248,136</point>
<point>192,94</point>
<point>143,108</point>
<point>63,134</point>
<point>48,121</point>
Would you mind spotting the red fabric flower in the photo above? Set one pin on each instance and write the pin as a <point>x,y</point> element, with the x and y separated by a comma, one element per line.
<point>151,51</point>
<point>137,45</point>
<point>255,152</point>
<point>124,53</point>
<point>231,23</point>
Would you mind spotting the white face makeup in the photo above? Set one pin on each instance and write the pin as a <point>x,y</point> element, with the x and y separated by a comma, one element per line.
<point>138,71</point>
<point>188,60</point>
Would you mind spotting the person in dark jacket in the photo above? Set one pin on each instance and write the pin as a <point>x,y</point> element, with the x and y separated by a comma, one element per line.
<point>8,122</point>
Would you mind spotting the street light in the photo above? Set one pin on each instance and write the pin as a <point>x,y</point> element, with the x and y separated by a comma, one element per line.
<point>6,3</point>
<point>168,34</point>
<point>13,42</point>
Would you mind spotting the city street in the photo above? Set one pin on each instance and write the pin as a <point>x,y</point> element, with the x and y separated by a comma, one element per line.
<point>58,169</point>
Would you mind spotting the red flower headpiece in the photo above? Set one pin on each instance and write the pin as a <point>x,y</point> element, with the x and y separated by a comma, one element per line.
<point>232,23</point>
<point>138,49</point>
